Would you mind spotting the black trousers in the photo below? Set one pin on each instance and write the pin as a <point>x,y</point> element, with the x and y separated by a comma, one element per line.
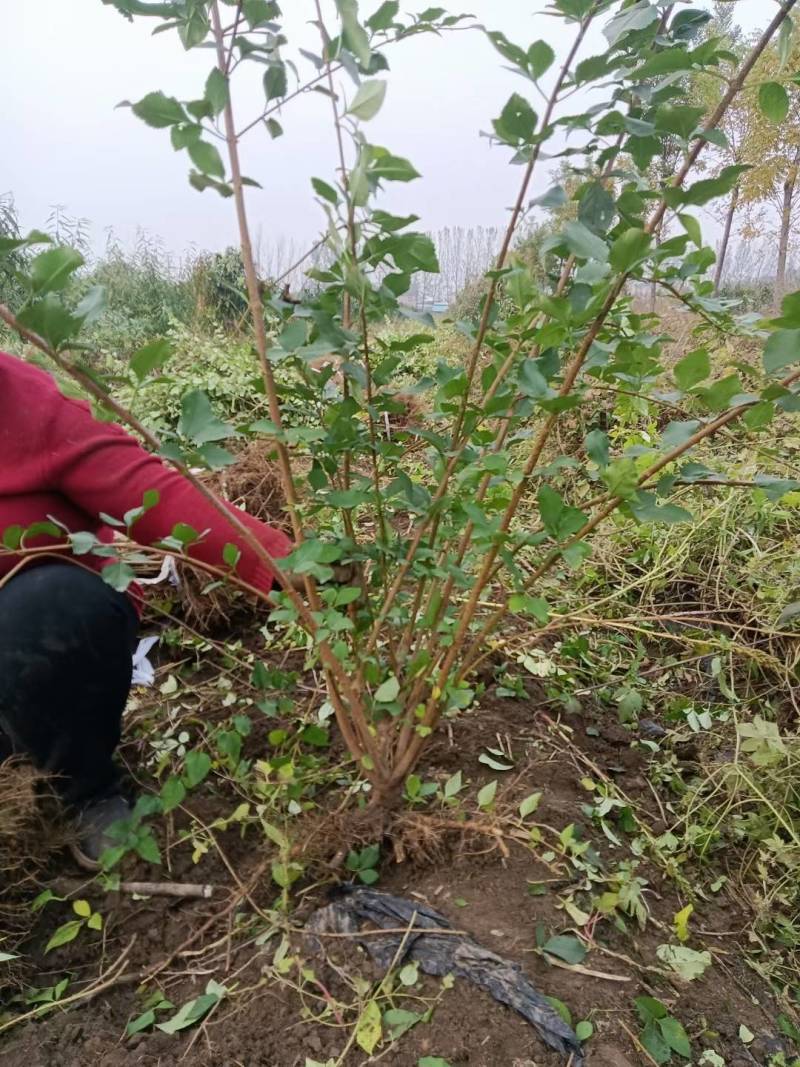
<point>66,642</point>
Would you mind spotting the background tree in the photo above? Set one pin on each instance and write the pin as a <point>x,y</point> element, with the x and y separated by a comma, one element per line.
<point>771,142</point>
<point>734,126</point>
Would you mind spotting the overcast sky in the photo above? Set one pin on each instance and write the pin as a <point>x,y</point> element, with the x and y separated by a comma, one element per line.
<point>65,64</point>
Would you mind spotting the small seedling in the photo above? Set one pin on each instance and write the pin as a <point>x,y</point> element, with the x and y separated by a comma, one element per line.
<point>662,1034</point>
<point>364,863</point>
<point>68,931</point>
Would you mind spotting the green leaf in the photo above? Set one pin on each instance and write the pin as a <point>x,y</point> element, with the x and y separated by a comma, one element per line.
<point>206,158</point>
<point>710,188</point>
<point>554,197</point>
<point>119,576</point>
<point>347,498</point>
<point>217,93</point>
<point>387,692</point>
<point>92,306</point>
<point>275,81</point>
<point>453,785</point>
<point>681,120</point>
<point>584,1030</point>
<point>540,58</point>
<point>629,249</point>
<point>781,349</point>
<point>666,62</point>
<point>650,1009</point>
<point>597,448</point>
<point>231,554</point>
<point>486,795</point>
<point>529,805</point>
<point>35,237</point>
<point>327,192</point>
<point>201,182</point>
<point>692,227</point>
<point>82,908</point>
<point>522,603</point>
<point>151,357</point>
<point>147,848</point>
<point>790,311</point>
<point>621,477</point>
<point>560,1008</point>
<point>566,947</point>
<point>382,164</point>
<point>198,422</point>
<point>52,270</point>
<point>583,243</point>
<point>693,368</point>
<point>51,320</point>
<point>516,125</point>
<point>531,380</point>
<point>675,1036</point>
<point>559,520</point>
<point>196,766</point>
<point>773,100</point>
<point>159,110</point>
<point>184,135</point>
<point>629,704</point>
<point>685,962</point>
<point>369,1030</point>
<point>356,40</point>
<point>64,934</point>
<point>259,11</point>
<point>190,1013</point>
<point>368,100</point>
<point>681,922</point>
<point>383,18</point>
<point>596,207</point>
<point>655,1044</point>
<point>638,16</point>
<point>646,509</point>
<point>315,735</point>
<point>173,793</point>
<point>400,1021</point>
<point>141,1022</point>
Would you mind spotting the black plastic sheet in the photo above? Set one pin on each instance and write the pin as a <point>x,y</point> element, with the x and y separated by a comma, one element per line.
<point>352,907</point>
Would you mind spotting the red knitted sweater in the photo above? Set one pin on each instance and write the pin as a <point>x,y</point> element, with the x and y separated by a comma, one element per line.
<point>58,462</point>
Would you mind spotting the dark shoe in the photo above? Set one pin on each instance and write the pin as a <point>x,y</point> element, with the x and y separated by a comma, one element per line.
<point>94,824</point>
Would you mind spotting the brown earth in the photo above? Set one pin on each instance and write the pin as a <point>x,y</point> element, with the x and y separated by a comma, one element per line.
<point>479,879</point>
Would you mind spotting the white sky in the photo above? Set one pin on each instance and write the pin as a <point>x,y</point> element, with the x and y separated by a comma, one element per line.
<point>65,64</point>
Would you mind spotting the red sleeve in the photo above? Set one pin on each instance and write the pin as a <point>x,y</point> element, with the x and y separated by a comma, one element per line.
<point>101,468</point>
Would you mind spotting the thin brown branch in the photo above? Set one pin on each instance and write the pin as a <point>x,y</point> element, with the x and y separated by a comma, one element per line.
<point>432,516</point>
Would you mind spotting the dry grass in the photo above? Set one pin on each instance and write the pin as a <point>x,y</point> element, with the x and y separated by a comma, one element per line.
<point>30,834</point>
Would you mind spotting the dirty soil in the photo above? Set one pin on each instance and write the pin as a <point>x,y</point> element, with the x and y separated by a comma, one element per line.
<point>484,877</point>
